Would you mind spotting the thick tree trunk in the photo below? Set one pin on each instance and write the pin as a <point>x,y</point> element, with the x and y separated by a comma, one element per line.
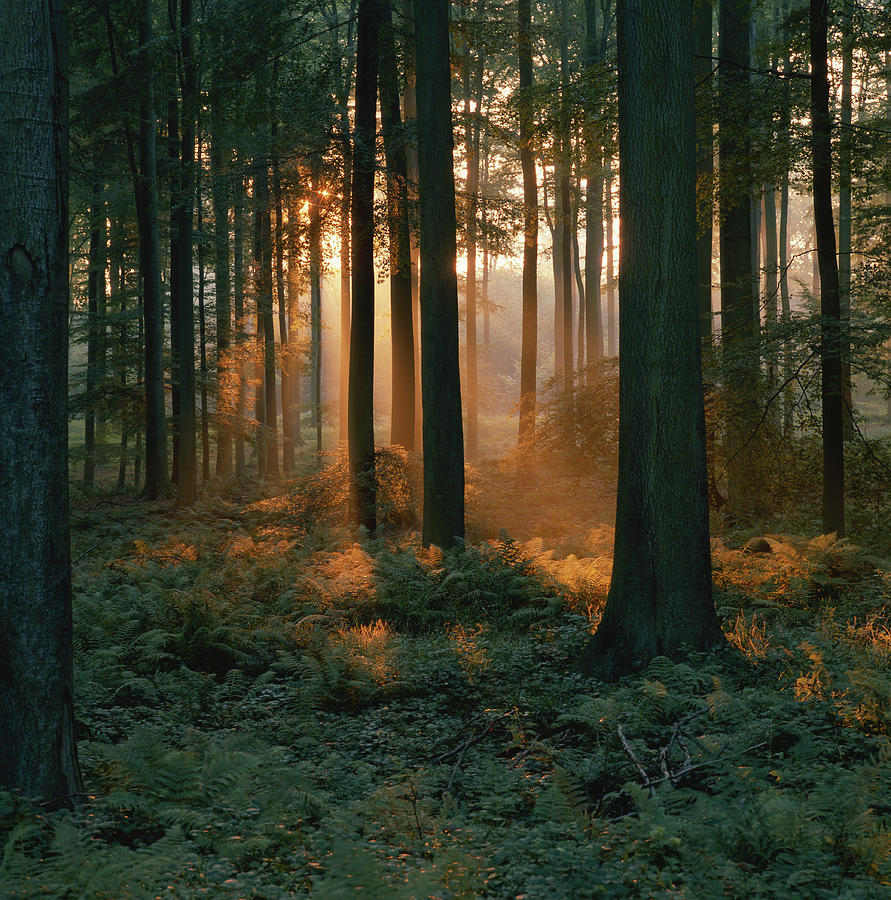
<point>38,754</point>
<point>156,480</point>
<point>361,396</point>
<point>529,341</point>
<point>402,431</point>
<point>831,393</point>
<point>660,598</point>
<point>441,388</point>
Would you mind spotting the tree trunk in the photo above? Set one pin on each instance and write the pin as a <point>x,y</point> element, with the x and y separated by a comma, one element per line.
<point>315,297</point>
<point>739,299</point>
<point>660,598</point>
<point>95,288</point>
<point>844,215</point>
<point>294,359</point>
<point>529,341</point>
<point>156,482</point>
<point>612,338</point>
<point>220,193</point>
<point>38,753</point>
<point>705,164</point>
<point>118,300</point>
<point>240,323</point>
<point>561,186</point>
<point>441,383</point>
<point>831,393</point>
<point>401,322</point>
<point>361,397</point>
<point>284,336</point>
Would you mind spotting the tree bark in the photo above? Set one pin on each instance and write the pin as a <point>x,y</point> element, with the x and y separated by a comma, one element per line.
<point>660,598</point>
<point>844,214</point>
<point>705,164</point>
<point>361,396</point>
<point>38,753</point>
<point>240,322</point>
<point>315,297</point>
<point>402,429</point>
<point>831,392</point>
<point>156,477</point>
<point>284,336</point>
<point>529,340</point>
<point>441,384</point>
<point>95,322</point>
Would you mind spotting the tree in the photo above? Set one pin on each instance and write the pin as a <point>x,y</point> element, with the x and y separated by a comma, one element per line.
<point>402,430</point>
<point>441,385</point>
<point>38,754</point>
<point>361,397</point>
<point>660,598</point>
<point>831,395</point>
<point>529,344</point>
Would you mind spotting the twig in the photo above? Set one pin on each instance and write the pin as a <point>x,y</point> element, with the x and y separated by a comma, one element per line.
<point>633,757</point>
<point>90,549</point>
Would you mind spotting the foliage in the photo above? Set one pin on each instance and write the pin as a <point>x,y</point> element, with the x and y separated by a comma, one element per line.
<point>267,709</point>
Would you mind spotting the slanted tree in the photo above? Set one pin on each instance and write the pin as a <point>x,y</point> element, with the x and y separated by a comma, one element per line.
<point>38,754</point>
<point>441,383</point>
<point>361,395</point>
<point>660,598</point>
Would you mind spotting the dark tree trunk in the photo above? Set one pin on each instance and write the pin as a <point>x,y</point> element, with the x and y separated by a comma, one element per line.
<point>118,301</point>
<point>831,394</point>
<point>156,481</point>
<point>202,327</point>
<point>240,324</point>
<point>38,754</point>
<point>844,214</point>
<point>268,445</point>
<point>222,284</point>
<point>284,336</point>
<point>401,323</point>
<point>564,230</point>
<point>705,164</point>
<point>441,383</point>
<point>294,360</point>
<point>739,297</point>
<point>593,203</point>
<point>315,297</point>
<point>361,395</point>
<point>660,598</point>
<point>612,346</point>
<point>529,344</point>
<point>95,323</point>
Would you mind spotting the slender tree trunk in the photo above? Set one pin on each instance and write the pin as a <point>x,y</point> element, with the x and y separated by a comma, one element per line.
<point>361,396</point>
<point>562,186</point>
<point>284,337</point>
<point>294,357</point>
<point>345,273</point>
<point>612,337</point>
<point>38,753</point>
<point>739,300</point>
<point>240,323</point>
<point>95,288</point>
<point>315,297</point>
<point>174,177</point>
<point>441,388</point>
<point>831,393</point>
<point>225,402</point>
<point>118,301</point>
<point>202,327</point>
<point>771,277</point>
<point>660,598</point>
<point>156,482</point>
<point>844,214</point>
<point>529,341</point>
<point>401,323</point>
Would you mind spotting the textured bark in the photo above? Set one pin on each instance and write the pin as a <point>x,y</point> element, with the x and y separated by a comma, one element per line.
<point>402,431</point>
<point>202,325</point>
<point>831,393</point>
<point>284,336</point>
<point>315,298</point>
<point>660,598</point>
<point>238,309</point>
<point>95,323</point>
<point>38,754</point>
<point>563,203</point>
<point>361,397</point>
<point>612,339</point>
<point>156,478</point>
<point>844,213</point>
<point>441,384</point>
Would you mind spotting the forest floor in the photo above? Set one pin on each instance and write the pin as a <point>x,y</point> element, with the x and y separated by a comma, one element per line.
<point>268,709</point>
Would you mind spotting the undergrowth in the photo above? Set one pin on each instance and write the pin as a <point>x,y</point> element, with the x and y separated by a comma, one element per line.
<point>266,708</point>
